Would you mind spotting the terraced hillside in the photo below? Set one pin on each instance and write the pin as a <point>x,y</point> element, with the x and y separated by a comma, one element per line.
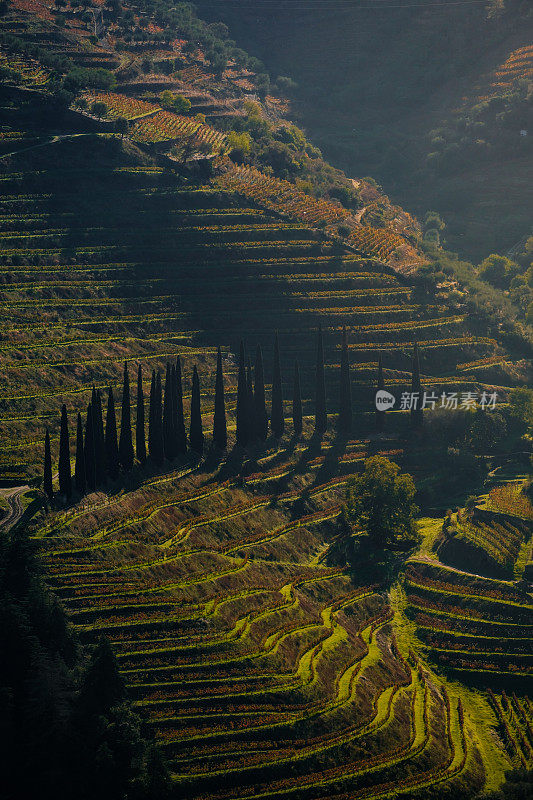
<point>261,671</point>
<point>107,255</point>
<point>469,595</point>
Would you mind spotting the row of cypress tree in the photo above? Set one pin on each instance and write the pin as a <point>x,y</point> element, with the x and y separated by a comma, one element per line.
<point>101,453</point>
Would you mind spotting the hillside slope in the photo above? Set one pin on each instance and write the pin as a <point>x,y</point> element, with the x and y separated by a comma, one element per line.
<point>428,99</point>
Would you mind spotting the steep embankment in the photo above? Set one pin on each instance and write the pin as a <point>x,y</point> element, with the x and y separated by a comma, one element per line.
<point>108,256</point>
<point>430,100</point>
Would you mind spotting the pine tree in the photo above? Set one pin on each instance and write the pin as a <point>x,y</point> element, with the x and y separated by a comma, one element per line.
<point>181,436</point>
<point>65,478</point>
<point>125,445</point>
<point>79,469</point>
<point>159,450</point>
<point>380,415</point>
<point>321,417</point>
<point>151,418</point>
<point>260,412</point>
<point>99,439</point>
<point>242,401</point>
<point>111,439</point>
<point>417,415</point>
<point>345,400</point>
<point>277,420</point>
<point>47,480</point>
<point>88,450</point>
<point>196,435</point>
<point>140,443</point>
<point>167,416</point>
<point>250,405</point>
<point>297,402</point>
<point>220,434</point>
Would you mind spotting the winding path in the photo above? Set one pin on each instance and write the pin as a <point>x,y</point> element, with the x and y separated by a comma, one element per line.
<point>12,494</point>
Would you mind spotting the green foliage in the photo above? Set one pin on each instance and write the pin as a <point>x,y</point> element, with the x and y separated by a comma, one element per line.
<point>487,431</point>
<point>498,270</point>
<point>521,409</point>
<point>239,144</point>
<point>99,109</point>
<point>380,502</point>
<point>175,102</point>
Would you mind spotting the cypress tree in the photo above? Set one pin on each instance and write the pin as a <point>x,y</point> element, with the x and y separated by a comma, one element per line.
<point>99,439</point>
<point>242,401</point>
<point>65,478</point>
<point>125,445</point>
<point>380,415</point>
<point>277,420</point>
<point>321,417</point>
<point>79,469</point>
<point>167,416</point>
<point>47,479</point>
<point>220,434</point>
<point>140,443</point>
<point>417,415</point>
<point>159,450</point>
<point>297,402</point>
<point>111,440</point>
<point>173,411</point>
<point>250,404</point>
<point>151,415</point>
<point>260,412</point>
<point>196,435</point>
<point>181,436</point>
<point>88,450</point>
<point>344,423</point>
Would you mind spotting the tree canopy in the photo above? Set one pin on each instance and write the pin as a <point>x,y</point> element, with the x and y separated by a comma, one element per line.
<point>380,502</point>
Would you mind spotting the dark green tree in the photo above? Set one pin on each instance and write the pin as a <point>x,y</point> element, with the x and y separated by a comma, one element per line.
<point>277,419</point>
<point>99,438</point>
<point>196,434</point>
<point>344,423</point>
<point>380,415</point>
<point>151,418</point>
<point>321,417</point>
<point>125,445</point>
<point>140,442</point>
<point>242,401</point>
<point>65,476</point>
<point>167,416</point>
<point>181,436</point>
<point>260,412</point>
<point>159,451</point>
<point>220,434</point>
<point>111,439</point>
<point>79,469</point>
<point>88,450</point>
<point>297,416</point>
<point>173,412</point>
<point>380,502</point>
<point>47,480</point>
<point>250,404</point>
<point>417,415</point>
